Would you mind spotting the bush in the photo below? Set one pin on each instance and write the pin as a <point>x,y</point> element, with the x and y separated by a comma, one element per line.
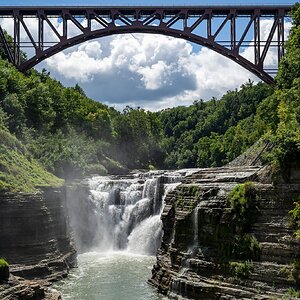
<point>293,293</point>
<point>4,269</point>
<point>242,204</point>
<point>241,269</point>
<point>246,247</point>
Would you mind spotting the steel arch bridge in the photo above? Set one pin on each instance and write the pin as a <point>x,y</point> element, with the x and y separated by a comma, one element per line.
<point>227,30</point>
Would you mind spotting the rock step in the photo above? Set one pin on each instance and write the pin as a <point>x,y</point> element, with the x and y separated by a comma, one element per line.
<point>273,226</point>
<point>281,253</point>
<point>268,205</point>
<point>265,213</point>
<point>192,286</point>
<point>271,237</point>
<point>267,273</point>
<point>225,171</point>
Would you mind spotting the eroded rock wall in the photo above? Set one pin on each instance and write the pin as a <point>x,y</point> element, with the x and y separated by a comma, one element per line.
<point>192,262</point>
<point>34,236</point>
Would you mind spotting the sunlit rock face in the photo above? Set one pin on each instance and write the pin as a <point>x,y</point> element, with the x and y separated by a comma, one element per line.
<point>192,261</point>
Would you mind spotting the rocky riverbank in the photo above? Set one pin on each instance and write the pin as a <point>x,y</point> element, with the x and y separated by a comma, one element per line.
<point>35,240</point>
<point>208,253</point>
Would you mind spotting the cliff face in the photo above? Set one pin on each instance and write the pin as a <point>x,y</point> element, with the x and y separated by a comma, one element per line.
<point>207,254</point>
<point>34,238</point>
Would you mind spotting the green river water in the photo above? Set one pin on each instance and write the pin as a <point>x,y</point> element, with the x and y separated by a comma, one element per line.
<point>110,276</point>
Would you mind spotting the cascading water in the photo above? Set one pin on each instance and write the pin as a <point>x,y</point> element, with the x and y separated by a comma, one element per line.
<point>117,227</point>
<point>120,213</point>
<point>127,211</point>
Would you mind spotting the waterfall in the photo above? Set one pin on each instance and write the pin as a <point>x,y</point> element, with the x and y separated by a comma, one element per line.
<point>122,213</point>
<point>196,226</point>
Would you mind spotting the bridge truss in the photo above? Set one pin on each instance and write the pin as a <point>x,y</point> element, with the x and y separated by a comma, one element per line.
<point>44,31</point>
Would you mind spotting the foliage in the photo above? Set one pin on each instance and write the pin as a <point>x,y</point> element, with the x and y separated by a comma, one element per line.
<point>241,269</point>
<point>71,134</point>
<point>237,243</point>
<point>286,135</point>
<point>242,204</point>
<point>292,272</point>
<point>295,218</point>
<point>289,68</point>
<point>4,269</point>
<point>18,170</point>
<point>246,246</point>
<point>137,134</point>
<point>213,133</point>
<point>68,156</point>
<point>10,43</point>
<point>293,293</point>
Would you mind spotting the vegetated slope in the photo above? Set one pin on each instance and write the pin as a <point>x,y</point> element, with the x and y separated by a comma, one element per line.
<point>213,133</point>
<point>18,170</point>
<point>285,103</point>
<point>70,134</point>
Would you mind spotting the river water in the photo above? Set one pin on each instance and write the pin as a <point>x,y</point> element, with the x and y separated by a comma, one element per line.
<point>117,230</point>
<point>111,276</point>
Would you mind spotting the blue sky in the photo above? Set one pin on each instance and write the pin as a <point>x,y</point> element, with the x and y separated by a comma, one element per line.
<point>139,2</point>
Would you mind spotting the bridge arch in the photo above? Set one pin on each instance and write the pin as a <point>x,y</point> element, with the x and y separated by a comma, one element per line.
<point>160,20</point>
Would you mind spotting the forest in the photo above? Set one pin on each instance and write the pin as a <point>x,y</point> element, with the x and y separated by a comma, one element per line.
<point>46,128</point>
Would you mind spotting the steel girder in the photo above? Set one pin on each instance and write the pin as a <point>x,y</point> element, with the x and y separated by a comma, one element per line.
<point>194,24</point>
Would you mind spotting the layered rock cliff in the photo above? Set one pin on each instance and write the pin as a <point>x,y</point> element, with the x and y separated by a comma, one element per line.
<point>35,240</point>
<point>209,251</point>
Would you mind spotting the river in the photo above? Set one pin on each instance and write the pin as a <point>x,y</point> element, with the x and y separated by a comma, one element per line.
<point>110,276</point>
<point>117,229</point>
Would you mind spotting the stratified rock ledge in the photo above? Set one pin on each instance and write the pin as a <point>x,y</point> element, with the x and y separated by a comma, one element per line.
<point>187,264</point>
<point>35,240</point>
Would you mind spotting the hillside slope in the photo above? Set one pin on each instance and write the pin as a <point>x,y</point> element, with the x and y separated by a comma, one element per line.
<point>19,171</point>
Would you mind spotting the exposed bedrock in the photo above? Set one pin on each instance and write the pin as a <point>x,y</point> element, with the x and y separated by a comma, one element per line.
<point>207,253</point>
<point>35,240</point>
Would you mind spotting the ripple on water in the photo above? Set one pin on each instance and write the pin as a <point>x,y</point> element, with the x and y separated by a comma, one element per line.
<point>110,276</point>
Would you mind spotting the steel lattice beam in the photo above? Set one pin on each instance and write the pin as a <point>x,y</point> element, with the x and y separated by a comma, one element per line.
<point>180,22</point>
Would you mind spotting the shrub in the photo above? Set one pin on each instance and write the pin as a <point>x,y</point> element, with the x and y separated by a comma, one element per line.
<point>295,218</point>
<point>241,269</point>
<point>293,293</point>
<point>246,247</point>
<point>4,269</point>
<point>242,204</point>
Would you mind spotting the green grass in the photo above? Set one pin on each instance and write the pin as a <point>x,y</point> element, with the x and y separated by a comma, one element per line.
<point>19,172</point>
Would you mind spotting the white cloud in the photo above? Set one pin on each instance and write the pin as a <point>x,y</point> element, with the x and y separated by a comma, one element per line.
<point>152,71</point>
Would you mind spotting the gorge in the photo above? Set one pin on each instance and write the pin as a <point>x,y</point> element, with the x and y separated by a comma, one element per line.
<point>83,217</point>
<point>118,223</point>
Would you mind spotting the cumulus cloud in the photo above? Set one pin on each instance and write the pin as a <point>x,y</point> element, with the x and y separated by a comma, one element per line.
<point>152,71</point>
